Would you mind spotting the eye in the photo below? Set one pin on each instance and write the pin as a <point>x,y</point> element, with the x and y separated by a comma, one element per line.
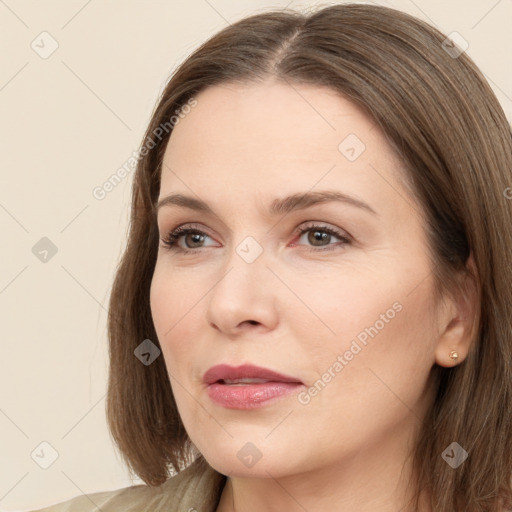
<point>192,238</point>
<point>318,236</point>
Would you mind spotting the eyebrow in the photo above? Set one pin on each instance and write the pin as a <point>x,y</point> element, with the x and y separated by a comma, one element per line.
<point>280,206</point>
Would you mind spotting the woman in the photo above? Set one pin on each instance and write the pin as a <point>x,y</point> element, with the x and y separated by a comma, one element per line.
<point>314,308</point>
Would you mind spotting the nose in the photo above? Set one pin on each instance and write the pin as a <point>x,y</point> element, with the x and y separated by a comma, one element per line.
<point>244,297</point>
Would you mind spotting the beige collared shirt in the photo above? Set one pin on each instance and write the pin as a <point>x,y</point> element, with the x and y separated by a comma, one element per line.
<point>184,492</point>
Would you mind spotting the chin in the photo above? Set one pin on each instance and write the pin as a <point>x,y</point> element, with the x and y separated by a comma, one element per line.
<point>238,457</point>
<point>232,467</point>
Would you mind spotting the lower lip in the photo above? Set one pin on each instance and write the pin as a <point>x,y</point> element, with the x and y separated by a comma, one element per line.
<point>249,396</point>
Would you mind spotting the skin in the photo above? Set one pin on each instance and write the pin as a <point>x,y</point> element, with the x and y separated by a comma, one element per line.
<point>297,307</point>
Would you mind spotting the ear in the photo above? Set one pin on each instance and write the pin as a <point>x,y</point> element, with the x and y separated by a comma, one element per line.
<point>459,319</point>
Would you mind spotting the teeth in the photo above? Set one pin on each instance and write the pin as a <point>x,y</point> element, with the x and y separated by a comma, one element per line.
<point>244,381</point>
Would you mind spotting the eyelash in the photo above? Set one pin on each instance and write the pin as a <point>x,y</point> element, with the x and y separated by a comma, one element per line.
<point>170,242</point>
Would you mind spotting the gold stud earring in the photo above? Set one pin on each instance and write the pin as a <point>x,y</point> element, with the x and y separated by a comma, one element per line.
<point>454,355</point>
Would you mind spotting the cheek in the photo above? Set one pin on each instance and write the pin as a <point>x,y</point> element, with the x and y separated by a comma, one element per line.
<point>163,304</point>
<point>378,322</point>
<point>366,379</point>
<point>172,297</point>
<point>169,313</point>
<point>177,307</point>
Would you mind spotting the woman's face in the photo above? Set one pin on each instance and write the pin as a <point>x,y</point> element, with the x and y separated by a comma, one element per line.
<point>344,309</point>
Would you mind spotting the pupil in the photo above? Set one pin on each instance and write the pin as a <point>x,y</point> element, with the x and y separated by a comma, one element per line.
<point>318,236</point>
<point>196,237</point>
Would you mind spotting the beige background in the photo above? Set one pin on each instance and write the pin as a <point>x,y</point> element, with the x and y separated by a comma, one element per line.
<point>68,122</point>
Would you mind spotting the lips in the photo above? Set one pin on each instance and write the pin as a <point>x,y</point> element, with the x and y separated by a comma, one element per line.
<point>245,374</point>
<point>247,386</point>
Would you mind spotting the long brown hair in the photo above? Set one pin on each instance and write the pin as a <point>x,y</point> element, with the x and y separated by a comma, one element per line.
<point>443,120</point>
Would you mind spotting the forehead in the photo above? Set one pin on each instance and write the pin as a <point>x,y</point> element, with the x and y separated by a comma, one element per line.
<point>277,138</point>
<point>274,114</point>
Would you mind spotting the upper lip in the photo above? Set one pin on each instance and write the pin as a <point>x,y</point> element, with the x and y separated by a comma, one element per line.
<point>247,371</point>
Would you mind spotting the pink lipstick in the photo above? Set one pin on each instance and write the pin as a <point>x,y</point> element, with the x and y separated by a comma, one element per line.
<point>247,386</point>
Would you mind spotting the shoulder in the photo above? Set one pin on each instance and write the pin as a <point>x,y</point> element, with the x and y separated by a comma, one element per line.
<point>197,487</point>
